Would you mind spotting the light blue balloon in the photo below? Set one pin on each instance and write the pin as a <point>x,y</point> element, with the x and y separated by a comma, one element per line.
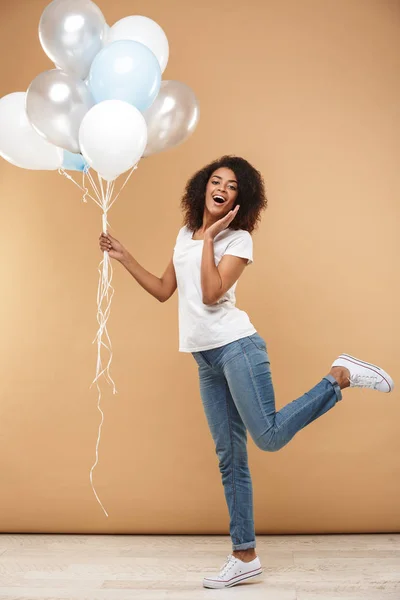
<point>73,162</point>
<point>125,70</point>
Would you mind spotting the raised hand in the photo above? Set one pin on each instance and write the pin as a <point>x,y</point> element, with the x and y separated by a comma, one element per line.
<point>221,224</point>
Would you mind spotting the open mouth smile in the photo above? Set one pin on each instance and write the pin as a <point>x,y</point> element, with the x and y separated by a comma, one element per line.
<point>218,199</point>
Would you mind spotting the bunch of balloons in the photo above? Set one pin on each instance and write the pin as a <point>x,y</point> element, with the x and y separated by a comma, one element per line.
<point>104,105</point>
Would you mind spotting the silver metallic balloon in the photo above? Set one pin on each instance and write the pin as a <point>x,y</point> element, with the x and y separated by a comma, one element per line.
<point>56,104</point>
<point>71,33</point>
<point>172,117</point>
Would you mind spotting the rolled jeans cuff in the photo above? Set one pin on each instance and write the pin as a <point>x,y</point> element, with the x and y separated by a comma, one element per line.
<point>336,386</point>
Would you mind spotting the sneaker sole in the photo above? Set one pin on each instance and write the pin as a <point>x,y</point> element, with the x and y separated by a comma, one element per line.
<point>239,579</point>
<point>371,367</point>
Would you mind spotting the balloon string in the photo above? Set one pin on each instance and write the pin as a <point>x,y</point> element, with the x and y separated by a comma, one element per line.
<point>84,199</point>
<point>83,189</point>
<point>97,451</point>
<point>95,190</point>
<point>105,294</point>
<point>126,181</point>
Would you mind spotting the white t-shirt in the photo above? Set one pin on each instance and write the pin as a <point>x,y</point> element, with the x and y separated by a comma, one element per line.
<point>203,327</point>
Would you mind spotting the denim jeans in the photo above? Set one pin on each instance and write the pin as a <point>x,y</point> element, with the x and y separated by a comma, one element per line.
<point>238,396</point>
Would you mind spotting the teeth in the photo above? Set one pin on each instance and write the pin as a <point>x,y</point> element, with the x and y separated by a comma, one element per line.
<point>219,198</point>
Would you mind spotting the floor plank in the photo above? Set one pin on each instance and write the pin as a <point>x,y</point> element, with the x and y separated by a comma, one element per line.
<point>105,567</point>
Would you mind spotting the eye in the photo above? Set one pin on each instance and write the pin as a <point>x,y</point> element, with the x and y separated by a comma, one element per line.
<point>233,187</point>
<point>215,182</point>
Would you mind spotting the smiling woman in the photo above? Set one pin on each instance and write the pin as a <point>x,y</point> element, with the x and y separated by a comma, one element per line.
<point>237,182</point>
<point>222,205</point>
<point>220,181</point>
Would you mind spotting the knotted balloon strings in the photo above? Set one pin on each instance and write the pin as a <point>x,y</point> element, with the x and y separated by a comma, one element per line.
<point>104,199</point>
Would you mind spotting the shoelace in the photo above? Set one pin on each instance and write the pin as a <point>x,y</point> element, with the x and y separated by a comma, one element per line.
<point>365,381</point>
<point>231,560</point>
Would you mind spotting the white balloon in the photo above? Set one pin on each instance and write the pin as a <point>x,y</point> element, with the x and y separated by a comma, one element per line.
<point>20,144</point>
<point>106,33</point>
<point>112,137</point>
<point>143,30</point>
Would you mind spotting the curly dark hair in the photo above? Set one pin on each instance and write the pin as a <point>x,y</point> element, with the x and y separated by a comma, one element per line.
<point>251,194</point>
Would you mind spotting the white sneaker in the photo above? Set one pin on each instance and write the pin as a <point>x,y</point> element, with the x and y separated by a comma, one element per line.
<point>233,572</point>
<point>365,375</point>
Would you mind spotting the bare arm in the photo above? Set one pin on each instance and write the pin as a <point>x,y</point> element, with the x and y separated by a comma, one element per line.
<point>162,288</point>
<point>216,281</point>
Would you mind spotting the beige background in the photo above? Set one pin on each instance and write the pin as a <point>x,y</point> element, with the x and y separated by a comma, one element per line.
<point>308,91</point>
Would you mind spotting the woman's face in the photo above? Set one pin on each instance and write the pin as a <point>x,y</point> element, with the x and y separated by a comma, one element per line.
<point>221,192</point>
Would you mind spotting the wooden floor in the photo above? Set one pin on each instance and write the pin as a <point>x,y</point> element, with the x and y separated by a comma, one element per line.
<point>362,567</point>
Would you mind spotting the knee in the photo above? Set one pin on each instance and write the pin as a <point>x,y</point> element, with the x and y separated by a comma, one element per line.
<point>269,443</point>
<point>228,459</point>
<point>224,460</point>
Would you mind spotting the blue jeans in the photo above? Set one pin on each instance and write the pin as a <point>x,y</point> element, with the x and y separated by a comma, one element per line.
<point>238,395</point>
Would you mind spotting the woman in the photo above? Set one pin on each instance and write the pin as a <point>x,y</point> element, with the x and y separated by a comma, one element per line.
<point>222,206</point>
